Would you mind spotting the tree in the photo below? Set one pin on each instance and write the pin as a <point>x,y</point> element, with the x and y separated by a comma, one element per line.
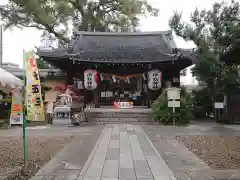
<point>54,17</point>
<point>214,32</point>
<point>41,64</point>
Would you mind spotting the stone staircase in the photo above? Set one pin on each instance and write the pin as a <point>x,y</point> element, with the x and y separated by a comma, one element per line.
<point>104,115</point>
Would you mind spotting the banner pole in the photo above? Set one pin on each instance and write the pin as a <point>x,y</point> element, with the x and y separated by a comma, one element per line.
<point>24,113</point>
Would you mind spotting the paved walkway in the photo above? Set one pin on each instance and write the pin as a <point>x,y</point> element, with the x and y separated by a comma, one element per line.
<point>124,152</point>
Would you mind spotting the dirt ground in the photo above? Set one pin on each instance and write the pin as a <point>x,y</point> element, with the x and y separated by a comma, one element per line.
<point>40,150</point>
<point>219,152</point>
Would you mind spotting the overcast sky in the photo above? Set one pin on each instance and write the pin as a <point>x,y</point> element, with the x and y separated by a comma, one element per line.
<point>15,41</point>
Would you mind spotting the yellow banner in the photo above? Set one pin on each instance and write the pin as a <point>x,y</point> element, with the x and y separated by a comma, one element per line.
<point>35,108</point>
<point>16,116</point>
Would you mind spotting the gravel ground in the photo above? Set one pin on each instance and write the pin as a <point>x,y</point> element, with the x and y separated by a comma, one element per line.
<point>219,152</point>
<point>40,150</point>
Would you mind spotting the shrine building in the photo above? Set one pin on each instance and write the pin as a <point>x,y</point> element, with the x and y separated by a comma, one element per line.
<point>109,67</point>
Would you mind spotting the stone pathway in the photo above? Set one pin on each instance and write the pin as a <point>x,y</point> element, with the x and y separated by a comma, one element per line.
<point>124,152</point>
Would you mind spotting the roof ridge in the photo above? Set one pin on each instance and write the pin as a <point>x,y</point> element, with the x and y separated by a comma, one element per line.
<point>123,33</point>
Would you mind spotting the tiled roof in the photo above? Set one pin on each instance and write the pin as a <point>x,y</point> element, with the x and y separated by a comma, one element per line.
<point>117,47</point>
<point>59,52</point>
<point>123,47</point>
<point>43,72</point>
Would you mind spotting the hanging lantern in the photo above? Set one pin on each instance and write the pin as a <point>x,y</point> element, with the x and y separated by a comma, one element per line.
<point>101,77</point>
<point>143,76</point>
<point>128,80</point>
<point>154,79</point>
<point>90,79</point>
<point>114,79</point>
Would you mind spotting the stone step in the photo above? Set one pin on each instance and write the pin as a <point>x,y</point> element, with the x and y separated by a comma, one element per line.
<point>122,115</point>
<point>118,115</point>
<point>120,120</point>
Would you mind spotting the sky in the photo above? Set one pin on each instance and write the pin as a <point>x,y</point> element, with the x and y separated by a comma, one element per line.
<point>17,40</point>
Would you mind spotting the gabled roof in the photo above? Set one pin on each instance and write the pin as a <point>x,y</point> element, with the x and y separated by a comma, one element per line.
<point>51,53</point>
<point>120,47</point>
<point>123,47</point>
<point>43,72</point>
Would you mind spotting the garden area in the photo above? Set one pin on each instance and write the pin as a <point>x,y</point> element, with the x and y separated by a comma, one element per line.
<point>216,34</point>
<point>219,152</point>
<point>40,150</point>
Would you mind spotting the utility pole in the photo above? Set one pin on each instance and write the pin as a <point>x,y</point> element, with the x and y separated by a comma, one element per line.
<point>1,44</point>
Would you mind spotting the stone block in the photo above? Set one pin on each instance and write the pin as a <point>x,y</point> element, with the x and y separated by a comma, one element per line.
<point>113,154</point>
<point>110,169</point>
<point>126,174</point>
<point>142,169</point>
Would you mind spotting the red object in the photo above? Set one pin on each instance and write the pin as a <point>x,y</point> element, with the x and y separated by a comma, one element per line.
<point>115,104</point>
<point>32,62</point>
<point>96,78</point>
<point>60,87</point>
<point>69,87</point>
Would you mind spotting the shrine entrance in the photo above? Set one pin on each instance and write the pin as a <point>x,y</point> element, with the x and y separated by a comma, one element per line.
<point>121,67</point>
<point>123,89</point>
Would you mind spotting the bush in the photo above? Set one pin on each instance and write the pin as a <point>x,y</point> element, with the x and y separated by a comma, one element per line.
<point>1,123</point>
<point>165,115</point>
<point>203,103</point>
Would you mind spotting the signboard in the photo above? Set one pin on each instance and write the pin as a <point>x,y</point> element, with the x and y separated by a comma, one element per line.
<point>154,79</point>
<point>90,79</point>
<point>49,107</point>
<point>119,105</point>
<point>35,108</point>
<point>173,93</point>
<point>219,105</point>
<point>173,104</point>
<point>16,116</point>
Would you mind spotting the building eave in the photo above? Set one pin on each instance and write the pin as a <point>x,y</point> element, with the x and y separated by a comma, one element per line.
<point>168,32</point>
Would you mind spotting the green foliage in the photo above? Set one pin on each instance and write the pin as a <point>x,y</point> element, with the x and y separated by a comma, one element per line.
<point>215,32</point>
<point>6,100</point>
<point>54,16</point>
<point>203,103</point>
<point>41,64</point>
<point>46,88</point>
<point>165,115</point>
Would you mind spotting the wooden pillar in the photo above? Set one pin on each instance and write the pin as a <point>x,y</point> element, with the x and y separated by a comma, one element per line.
<point>149,93</point>
<point>96,96</point>
<point>70,73</point>
<point>176,79</point>
<point>149,98</point>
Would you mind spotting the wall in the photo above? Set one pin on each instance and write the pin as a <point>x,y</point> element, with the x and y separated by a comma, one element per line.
<point>52,83</point>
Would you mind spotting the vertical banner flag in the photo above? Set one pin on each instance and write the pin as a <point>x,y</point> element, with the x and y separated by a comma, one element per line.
<point>16,117</point>
<point>35,108</point>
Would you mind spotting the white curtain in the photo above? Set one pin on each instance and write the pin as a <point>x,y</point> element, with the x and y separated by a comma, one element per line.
<point>8,81</point>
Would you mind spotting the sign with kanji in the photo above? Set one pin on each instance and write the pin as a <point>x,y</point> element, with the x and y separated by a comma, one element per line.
<point>90,79</point>
<point>154,79</point>
<point>35,108</point>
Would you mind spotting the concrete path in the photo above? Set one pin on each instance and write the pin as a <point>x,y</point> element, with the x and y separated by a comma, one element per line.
<point>124,152</point>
